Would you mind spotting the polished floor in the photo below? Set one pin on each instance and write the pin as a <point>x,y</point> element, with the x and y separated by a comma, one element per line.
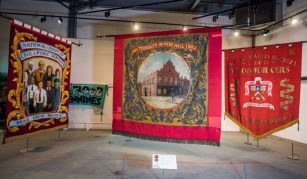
<point>99,154</point>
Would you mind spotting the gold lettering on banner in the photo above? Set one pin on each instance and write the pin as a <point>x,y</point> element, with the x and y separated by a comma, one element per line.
<point>19,111</point>
<point>284,94</point>
<point>232,94</point>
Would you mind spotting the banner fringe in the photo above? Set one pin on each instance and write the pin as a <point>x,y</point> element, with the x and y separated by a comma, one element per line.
<point>265,134</point>
<point>165,139</point>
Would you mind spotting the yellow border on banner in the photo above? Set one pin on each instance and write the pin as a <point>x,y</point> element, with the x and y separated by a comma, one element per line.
<point>10,139</point>
<point>265,134</point>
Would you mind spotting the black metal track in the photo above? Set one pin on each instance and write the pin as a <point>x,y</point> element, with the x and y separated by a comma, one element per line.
<point>117,20</point>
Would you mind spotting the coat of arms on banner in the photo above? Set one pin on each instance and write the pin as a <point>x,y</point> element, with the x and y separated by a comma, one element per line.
<point>259,92</point>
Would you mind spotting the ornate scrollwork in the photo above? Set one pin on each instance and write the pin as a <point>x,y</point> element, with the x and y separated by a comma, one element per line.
<point>192,111</point>
<point>14,94</point>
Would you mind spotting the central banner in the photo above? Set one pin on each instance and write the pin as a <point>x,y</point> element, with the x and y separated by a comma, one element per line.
<point>162,86</point>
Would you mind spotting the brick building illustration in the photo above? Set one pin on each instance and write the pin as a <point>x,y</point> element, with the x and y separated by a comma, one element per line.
<point>164,82</point>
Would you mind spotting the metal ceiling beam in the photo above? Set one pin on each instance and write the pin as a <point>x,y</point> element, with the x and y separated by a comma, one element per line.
<point>72,22</point>
<point>246,4</point>
<point>68,7</point>
<point>116,20</point>
<point>132,6</point>
<point>195,4</point>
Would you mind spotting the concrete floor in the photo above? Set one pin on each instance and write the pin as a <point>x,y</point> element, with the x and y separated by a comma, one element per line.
<point>91,155</point>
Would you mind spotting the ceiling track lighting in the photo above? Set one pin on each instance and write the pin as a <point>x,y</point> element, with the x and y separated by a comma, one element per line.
<point>60,20</point>
<point>215,17</point>
<point>43,19</point>
<point>99,36</point>
<point>254,8</point>
<point>265,32</point>
<point>289,2</point>
<point>231,14</point>
<point>107,14</point>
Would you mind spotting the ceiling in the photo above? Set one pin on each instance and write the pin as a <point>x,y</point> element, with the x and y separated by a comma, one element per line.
<point>200,7</point>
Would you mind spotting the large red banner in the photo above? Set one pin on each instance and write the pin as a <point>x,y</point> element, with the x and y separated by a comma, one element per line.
<point>38,82</point>
<point>262,87</point>
<point>167,86</point>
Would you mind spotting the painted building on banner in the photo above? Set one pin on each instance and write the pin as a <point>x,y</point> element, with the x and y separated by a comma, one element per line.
<point>164,82</point>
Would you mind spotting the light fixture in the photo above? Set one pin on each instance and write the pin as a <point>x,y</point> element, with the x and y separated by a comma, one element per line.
<point>107,14</point>
<point>294,21</point>
<point>265,32</point>
<point>214,18</point>
<point>43,19</point>
<point>60,20</point>
<point>236,33</point>
<point>98,36</point>
<point>289,2</point>
<point>135,26</point>
<point>184,28</point>
<point>231,14</point>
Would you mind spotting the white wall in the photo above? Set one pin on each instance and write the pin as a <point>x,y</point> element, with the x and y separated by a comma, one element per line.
<point>287,34</point>
<point>93,63</point>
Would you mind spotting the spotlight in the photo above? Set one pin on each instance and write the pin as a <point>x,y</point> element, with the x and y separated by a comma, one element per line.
<point>265,32</point>
<point>60,20</point>
<point>294,21</point>
<point>214,18</point>
<point>107,14</point>
<point>289,2</point>
<point>231,15</point>
<point>184,28</point>
<point>43,19</point>
<point>236,33</point>
<point>99,36</point>
<point>135,26</point>
<point>254,8</point>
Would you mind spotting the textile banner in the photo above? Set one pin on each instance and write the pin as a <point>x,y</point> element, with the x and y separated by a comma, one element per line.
<point>163,83</point>
<point>262,87</point>
<point>38,82</point>
<point>88,94</point>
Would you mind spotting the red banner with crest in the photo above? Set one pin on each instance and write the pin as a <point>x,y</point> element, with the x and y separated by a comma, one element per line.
<point>262,87</point>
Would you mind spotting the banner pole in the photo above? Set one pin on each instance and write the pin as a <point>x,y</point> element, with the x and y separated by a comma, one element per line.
<point>247,140</point>
<point>163,173</point>
<point>27,149</point>
<point>123,173</point>
<point>293,156</point>
<point>257,146</point>
<point>59,135</point>
<point>244,170</point>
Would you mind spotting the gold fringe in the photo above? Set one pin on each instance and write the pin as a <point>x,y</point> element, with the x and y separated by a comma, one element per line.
<point>11,139</point>
<point>264,134</point>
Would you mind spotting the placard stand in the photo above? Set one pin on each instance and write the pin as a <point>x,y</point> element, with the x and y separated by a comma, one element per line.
<point>257,146</point>
<point>121,172</point>
<point>293,155</point>
<point>27,149</point>
<point>129,139</point>
<point>247,140</point>
<point>59,136</point>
